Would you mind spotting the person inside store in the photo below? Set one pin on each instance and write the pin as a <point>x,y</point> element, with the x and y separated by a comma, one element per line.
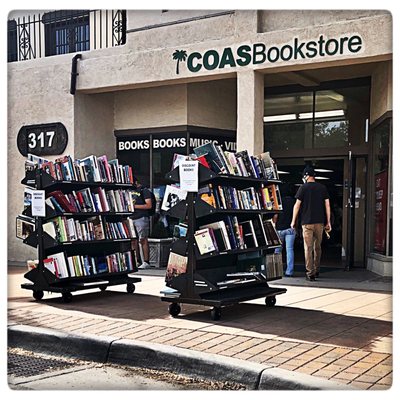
<point>286,233</point>
<point>143,204</point>
<point>312,200</point>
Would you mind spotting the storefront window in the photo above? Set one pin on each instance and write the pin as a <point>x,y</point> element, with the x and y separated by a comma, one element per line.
<point>318,119</point>
<point>382,220</point>
<point>151,157</point>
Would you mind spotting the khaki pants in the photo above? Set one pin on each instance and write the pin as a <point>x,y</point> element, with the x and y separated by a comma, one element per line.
<point>312,236</point>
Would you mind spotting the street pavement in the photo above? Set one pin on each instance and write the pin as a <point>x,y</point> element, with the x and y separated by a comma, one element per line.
<point>338,329</point>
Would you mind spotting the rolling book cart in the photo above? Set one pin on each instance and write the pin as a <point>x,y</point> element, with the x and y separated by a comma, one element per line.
<point>216,279</point>
<point>41,277</point>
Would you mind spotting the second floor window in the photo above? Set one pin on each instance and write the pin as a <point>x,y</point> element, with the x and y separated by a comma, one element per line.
<point>67,31</point>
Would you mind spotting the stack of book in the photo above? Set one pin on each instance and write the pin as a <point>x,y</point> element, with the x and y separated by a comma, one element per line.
<point>63,229</point>
<point>267,197</point>
<point>240,164</point>
<point>83,265</point>
<point>230,234</point>
<point>92,200</point>
<point>88,169</point>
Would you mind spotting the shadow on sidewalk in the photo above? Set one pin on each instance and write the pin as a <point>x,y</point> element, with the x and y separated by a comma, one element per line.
<point>255,320</point>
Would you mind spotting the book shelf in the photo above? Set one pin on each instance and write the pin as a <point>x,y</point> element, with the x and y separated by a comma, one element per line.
<point>113,250</point>
<point>218,278</point>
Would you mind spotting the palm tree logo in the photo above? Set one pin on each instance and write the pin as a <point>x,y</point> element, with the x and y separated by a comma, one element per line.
<point>179,55</point>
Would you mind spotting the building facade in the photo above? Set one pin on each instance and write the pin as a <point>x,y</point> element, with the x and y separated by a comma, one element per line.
<point>308,86</point>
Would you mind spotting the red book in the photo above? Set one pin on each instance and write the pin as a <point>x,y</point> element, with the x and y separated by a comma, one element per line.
<point>62,200</point>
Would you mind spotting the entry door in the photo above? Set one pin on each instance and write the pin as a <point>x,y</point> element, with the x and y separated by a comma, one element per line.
<point>356,184</point>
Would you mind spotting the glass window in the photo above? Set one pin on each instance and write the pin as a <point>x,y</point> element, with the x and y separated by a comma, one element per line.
<point>67,31</point>
<point>319,119</point>
<point>283,129</point>
<point>135,151</point>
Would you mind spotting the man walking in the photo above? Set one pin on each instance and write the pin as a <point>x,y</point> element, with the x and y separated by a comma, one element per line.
<point>313,199</point>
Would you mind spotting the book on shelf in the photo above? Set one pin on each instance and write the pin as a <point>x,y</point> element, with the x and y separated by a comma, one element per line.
<point>177,158</point>
<point>88,169</point>
<point>173,195</point>
<point>268,166</point>
<point>205,241</point>
<point>176,266</point>
<point>272,235</point>
<point>51,264</point>
<point>213,157</point>
<point>24,226</point>
<point>60,264</point>
<point>274,266</point>
<point>220,235</point>
<point>207,195</point>
<point>28,193</point>
<point>180,230</point>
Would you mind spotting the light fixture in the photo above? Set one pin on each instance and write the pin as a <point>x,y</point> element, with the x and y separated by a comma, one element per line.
<point>322,114</point>
<point>322,177</point>
<point>322,170</point>
<point>282,117</point>
<point>283,172</point>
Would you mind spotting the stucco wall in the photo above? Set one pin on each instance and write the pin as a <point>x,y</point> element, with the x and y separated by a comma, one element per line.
<point>37,94</point>
<point>381,91</point>
<point>213,104</point>
<point>94,125</point>
<point>278,20</point>
<point>151,107</point>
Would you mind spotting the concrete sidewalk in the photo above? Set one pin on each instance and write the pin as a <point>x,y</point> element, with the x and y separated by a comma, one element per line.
<point>341,332</point>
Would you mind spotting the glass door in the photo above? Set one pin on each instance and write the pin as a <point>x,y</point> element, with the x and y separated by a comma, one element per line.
<point>355,198</point>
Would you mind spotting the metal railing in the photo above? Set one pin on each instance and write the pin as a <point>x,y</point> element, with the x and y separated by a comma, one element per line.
<point>64,31</point>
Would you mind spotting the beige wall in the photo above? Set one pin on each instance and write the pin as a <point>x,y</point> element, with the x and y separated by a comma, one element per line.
<point>94,125</point>
<point>278,20</point>
<point>381,91</point>
<point>151,107</point>
<point>213,104</point>
<point>36,95</point>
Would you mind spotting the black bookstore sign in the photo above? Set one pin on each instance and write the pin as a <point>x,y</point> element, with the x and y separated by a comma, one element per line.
<point>42,140</point>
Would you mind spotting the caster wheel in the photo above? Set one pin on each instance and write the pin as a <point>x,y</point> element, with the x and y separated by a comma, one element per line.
<point>130,287</point>
<point>174,309</point>
<point>38,294</point>
<point>103,288</point>
<point>67,297</point>
<point>270,301</point>
<point>216,314</point>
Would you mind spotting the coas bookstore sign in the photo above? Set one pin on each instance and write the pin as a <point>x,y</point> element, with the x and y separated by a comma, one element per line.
<point>261,53</point>
<point>42,140</point>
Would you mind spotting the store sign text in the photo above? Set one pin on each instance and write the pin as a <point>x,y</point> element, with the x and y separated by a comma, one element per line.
<point>180,143</point>
<point>259,53</point>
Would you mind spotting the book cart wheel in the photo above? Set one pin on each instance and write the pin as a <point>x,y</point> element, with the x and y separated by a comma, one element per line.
<point>66,297</point>
<point>270,301</point>
<point>216,314</point>
<point>130,287</point>
<point>174,309</point>
<point>103,288</point>
<point>38,294</point>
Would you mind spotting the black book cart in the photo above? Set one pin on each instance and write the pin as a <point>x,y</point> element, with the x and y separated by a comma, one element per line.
<point>208,279</point>
<point>42,278</point>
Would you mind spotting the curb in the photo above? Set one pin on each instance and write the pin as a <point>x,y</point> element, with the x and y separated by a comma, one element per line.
<point>135,353</point>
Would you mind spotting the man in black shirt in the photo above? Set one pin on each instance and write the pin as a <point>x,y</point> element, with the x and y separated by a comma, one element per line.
<point>143,203</point>
<point>313,199</point>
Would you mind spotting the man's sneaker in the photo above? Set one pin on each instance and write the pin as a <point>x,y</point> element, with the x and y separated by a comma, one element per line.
<point>309,278</point>
<point>145,265</point>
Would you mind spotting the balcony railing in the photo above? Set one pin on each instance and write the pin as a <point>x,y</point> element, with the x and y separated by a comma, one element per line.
<point>64,31</point>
